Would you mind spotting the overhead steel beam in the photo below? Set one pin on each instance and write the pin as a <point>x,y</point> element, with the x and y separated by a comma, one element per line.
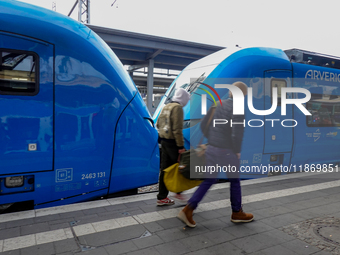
<point>162,66</point>
<point>136,49</point>
<point>83,10</point>
<point>154,54</point>
<point>142,57</point>
<point>115,46</point>
<point>152,38</point>
<point>74,6</point>
<point>161,46</point>
<point>130,48</point>
<point>135,67</point>
<point>158,81</point>
<point>109,38</point>
<point>128,55</point>
<point>181,55</point>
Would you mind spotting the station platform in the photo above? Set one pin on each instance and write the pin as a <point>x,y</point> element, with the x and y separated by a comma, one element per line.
<point>294,214</point>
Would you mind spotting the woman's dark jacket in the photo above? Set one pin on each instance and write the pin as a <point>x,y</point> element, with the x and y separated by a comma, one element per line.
<point>223,135</point>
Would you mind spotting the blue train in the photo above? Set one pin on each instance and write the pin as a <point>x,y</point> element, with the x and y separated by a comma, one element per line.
<point>73,126</point>
<point>274,143</point>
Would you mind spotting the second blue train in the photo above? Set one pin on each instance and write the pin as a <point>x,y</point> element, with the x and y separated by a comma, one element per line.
<point>273,143</point>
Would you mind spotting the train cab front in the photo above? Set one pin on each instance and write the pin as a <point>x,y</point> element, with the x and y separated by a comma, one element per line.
<point>136,156</point>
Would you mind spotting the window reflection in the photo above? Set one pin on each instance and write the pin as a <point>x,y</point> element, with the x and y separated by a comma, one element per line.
<point>18,72</point>
<point>325,110</point>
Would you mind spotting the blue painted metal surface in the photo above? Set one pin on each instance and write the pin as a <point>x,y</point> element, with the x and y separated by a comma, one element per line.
<point>85,120</point>
<point>316,144</point>
<point>271,145</point>
<point>21,123</point>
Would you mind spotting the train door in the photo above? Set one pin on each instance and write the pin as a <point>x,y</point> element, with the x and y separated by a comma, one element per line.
<point>26,104</point>
<point>278,136</point>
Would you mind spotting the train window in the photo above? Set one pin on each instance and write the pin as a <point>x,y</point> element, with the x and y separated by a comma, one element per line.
<point>277,83</point>
<point>325,110</point>
<point>18,72</point>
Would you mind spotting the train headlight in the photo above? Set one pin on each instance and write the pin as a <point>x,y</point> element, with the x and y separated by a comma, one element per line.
<point>186,124</point>
<point>190,123</point>
<point>15,181</point>
<point>273,158</point>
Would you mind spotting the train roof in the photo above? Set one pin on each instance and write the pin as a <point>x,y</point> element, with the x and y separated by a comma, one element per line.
<point>70,36</point>
<point>292,55</point>
<point>222,57</point>
<point>213,59</point>
<point>39,23</point>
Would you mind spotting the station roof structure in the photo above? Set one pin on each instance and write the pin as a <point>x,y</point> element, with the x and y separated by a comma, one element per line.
<point>141,50</point>
<point>135,49</point>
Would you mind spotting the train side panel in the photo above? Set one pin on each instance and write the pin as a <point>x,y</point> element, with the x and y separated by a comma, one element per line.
<point>26,118</point>
<point>89,98</point>
<point>317,137</point>
<point>26,110</point>
<point>258,68</point>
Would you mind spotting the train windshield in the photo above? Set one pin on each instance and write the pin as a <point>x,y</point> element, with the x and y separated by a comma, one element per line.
<point>197,72</point>
<point>190,80</point>
<point>186,81</point>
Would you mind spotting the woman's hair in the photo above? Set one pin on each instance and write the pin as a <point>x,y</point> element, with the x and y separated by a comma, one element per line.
<point>243,87</point>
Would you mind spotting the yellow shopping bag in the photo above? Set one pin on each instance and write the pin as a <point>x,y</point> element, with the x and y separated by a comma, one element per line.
<point>176,182</point>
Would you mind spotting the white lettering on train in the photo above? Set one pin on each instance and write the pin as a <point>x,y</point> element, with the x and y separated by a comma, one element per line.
<point>323,76</point>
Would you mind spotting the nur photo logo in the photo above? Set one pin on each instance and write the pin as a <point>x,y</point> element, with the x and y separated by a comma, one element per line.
<point>239,98</point>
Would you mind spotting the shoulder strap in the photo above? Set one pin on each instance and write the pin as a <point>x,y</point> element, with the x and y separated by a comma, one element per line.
<point>208,123</point>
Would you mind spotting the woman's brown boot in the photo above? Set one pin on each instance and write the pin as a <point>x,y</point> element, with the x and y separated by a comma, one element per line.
<point>241,216</point>
<point>186,216</point>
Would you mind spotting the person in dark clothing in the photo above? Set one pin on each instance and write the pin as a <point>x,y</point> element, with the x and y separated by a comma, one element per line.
<point>224,148</point>
<point>170,126</point>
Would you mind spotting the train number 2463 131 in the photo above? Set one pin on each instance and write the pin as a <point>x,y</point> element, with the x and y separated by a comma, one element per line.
<point>92,175</point>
